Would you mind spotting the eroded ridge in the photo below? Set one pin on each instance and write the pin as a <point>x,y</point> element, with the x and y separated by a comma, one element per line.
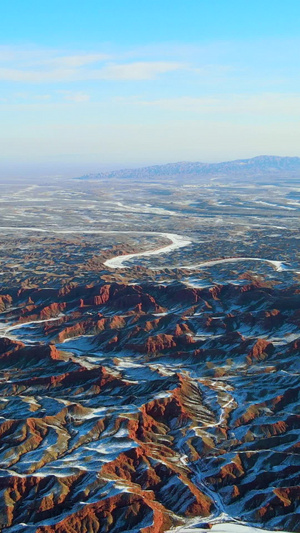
<point>147,407</point>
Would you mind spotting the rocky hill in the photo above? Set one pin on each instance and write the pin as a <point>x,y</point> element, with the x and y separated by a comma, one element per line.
<point>256,167</point>
<point>137,408</point>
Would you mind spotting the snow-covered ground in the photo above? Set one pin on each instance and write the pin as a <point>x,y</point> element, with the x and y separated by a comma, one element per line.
<point>278,265</point>
<point>177,241</point>
<point>228,527</point>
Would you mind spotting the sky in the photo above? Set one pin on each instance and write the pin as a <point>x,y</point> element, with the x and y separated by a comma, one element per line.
<point>95,85</point>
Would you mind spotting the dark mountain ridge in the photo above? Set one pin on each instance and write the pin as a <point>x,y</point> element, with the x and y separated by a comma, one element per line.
<point>259,166</point>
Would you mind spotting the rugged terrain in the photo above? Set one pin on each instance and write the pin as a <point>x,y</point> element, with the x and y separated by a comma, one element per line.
<point>149,357</point>
<point>140,407</point>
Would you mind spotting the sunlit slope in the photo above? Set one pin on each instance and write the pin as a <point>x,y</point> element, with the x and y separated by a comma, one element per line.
<point>143,407</point>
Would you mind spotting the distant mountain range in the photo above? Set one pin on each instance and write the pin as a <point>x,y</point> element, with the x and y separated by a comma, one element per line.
<point>260,166</point>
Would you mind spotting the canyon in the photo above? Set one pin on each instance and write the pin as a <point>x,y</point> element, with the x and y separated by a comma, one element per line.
<point>149,355</point>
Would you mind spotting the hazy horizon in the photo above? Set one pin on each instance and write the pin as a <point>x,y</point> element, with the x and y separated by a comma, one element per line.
<point>19,171</point>
<point>116,86</point>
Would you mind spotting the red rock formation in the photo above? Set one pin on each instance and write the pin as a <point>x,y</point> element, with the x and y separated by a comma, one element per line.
<point>260,351</point>
<point>144,439</point>
<point>8,346</point>
<point>5,300</point>
<point>52,310</point>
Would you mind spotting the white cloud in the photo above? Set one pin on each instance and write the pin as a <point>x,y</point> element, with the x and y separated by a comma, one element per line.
<point>142,70</point>
<point>77,97</point>
<point>75,61</point>
<point>38,76</point>
<point>228,101</point>
<point>52,66</point>
<point>41,56</point>
<point>29,96</point>
<point>131,71</point>
<point>209,66</point>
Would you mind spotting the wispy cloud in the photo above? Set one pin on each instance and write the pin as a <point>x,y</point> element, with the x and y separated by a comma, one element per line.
<point>227,63</point>
<point>34,66</point>
<point>28,96</point>
<point>262,104</point>
<point>75,61</point>
<point>131,71</point>
<point>36,76</point>
<point>75,97</point>
<point>142,70</point>
<point>34,56</point>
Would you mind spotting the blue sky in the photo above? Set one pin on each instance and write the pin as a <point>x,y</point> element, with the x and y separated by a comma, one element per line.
<point>87,86</point>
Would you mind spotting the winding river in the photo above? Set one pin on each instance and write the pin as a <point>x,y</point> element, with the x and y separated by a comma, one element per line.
<point>177,241</point>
